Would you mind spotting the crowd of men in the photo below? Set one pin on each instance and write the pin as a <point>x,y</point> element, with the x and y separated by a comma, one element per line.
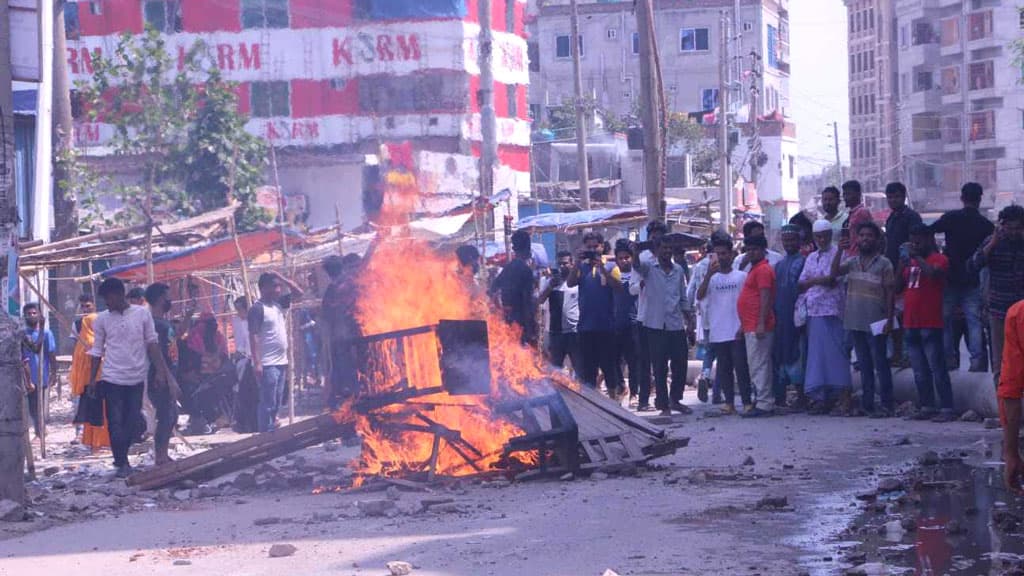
<point>784,329</point>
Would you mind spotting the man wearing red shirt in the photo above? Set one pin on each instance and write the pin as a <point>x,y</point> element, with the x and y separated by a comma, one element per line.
<point>757,321</point>
<point>924,271</point>
<point>1011,390</point>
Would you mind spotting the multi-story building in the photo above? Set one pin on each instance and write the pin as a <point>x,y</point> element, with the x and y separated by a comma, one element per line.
<point>874,129</point>
<point>329,81</point>
<point>961,98</point>
<point>688,34</point>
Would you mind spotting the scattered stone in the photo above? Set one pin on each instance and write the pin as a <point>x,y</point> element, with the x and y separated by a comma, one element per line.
<point>399,568</point>
<point>890,485</point>
<point>698,477</point>
<point>992,423</point>
<point>182,562</point>
<point>929,458</point>
<point>904,441</point>
<point>610,572</point>
<point>188,484</point>
<point>379,507</point>
<point>598,476</point>
<point>207,491</point>
<point>872,569</point>
<point>11,511</point>
<point>58,485</point>
<point>908,524</point>
<point>749,461</point>
<point>856,558</point>
<point>971,416</point>
<point>50,470</point>
<point>245,481</point>
<point>393,493</point>
<point>772,503</point>
<point>282,550</point>
<point>568,476</point>
<point>867,496</point>
<point>905,409</point>
<point>182,495</point>
<point>955,528</point>
<point>269,521</point>
<point>352,441</point>
<point>1005,520</point>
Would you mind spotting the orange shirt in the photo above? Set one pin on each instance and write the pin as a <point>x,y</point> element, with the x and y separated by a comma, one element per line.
<point>761,277</point>
<point>1011,377</point>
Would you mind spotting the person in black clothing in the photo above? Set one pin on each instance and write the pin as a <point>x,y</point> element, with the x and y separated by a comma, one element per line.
<point>901,220</point>
<point>1003,255</point>
<point>514,285</point>
<point>163,398</point>
<point>965,230</point>
<point>627,330</point>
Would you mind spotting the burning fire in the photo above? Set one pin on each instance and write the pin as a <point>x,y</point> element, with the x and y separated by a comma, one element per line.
<point>405,285</point>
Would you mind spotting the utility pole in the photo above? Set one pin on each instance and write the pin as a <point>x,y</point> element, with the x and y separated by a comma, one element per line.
<point>581,114</point>
<point>755,134</point>
<point>725,180</point>
<point>835,144</point>
<point>650,110</point>
<point>488,130</point>
<point>66,224</point>
<point>13,434</point>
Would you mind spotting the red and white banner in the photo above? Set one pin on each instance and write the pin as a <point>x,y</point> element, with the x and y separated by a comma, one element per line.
<point>337,129</point>
<point>332,53</point>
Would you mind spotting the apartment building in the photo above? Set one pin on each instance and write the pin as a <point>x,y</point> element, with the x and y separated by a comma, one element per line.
<point>874,129</point>
<point>688,34</point>
<point>962,99</point>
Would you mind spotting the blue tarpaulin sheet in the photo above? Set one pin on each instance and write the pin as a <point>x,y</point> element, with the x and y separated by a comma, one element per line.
<point>415,9</point>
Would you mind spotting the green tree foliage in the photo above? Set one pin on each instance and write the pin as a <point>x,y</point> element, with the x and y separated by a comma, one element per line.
<point>177,120</point>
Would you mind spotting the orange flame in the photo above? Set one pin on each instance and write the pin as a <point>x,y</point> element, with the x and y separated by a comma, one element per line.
<point>408,285</point>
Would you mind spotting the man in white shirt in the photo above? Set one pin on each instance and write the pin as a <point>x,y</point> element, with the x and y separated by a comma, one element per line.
<point>563,314</point>
<point>268,342</point>
<point>240,327</point>
<point>125,337</point>
<point>720,291</point>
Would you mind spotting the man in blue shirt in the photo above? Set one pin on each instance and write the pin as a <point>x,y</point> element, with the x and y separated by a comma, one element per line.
<point>598,283</point>
<point>37,339</point>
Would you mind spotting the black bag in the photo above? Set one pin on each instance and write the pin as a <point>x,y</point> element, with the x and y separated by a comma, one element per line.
<point>90,410</point>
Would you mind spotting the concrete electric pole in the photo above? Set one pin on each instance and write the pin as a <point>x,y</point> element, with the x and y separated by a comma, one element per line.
<point>725,179</point>
<point>650,111</point>
<point>488,130</point>
<point>12,394</point>
<point>581,112</point>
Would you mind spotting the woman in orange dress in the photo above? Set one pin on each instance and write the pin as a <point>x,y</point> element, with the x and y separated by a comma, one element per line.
<point>95,437</point>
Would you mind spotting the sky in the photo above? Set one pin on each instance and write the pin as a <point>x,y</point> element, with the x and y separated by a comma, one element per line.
<point>818,81</point>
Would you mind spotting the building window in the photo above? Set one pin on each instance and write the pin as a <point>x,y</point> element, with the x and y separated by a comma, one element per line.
<point>871,60</point>
<point>264,13</point>
<point>853,63</point>
<point>871,18</point>
<point>709,98</point>
<point>983,125</point>
<point>511,95</point>
<point>951,80</point>
<point>636,43</point>
<point>749,26</point>
<point>981,75</point>
<point>163,15</point>
<point>534,112</point>
<point>72,25</point>
<point>925,126</point>
<point>979,25</point>
<point>773,46</point>
<point>792,167</point>
<point>951,129</point>
<point>563,49</point>
<point>269,99</point>
<point>950,31</point>
<point>436,92</point>
<point>96,7</point>
<point>922,81</point>
<point>694,40</point>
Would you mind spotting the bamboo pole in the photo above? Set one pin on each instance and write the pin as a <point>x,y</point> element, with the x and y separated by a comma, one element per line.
<point>337,217</point>
<point>42,406</point>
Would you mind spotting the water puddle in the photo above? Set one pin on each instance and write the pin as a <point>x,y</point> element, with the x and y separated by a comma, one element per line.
<point>950,518</point>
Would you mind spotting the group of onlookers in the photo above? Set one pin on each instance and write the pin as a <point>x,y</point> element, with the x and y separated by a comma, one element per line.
<point>845,294</point>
